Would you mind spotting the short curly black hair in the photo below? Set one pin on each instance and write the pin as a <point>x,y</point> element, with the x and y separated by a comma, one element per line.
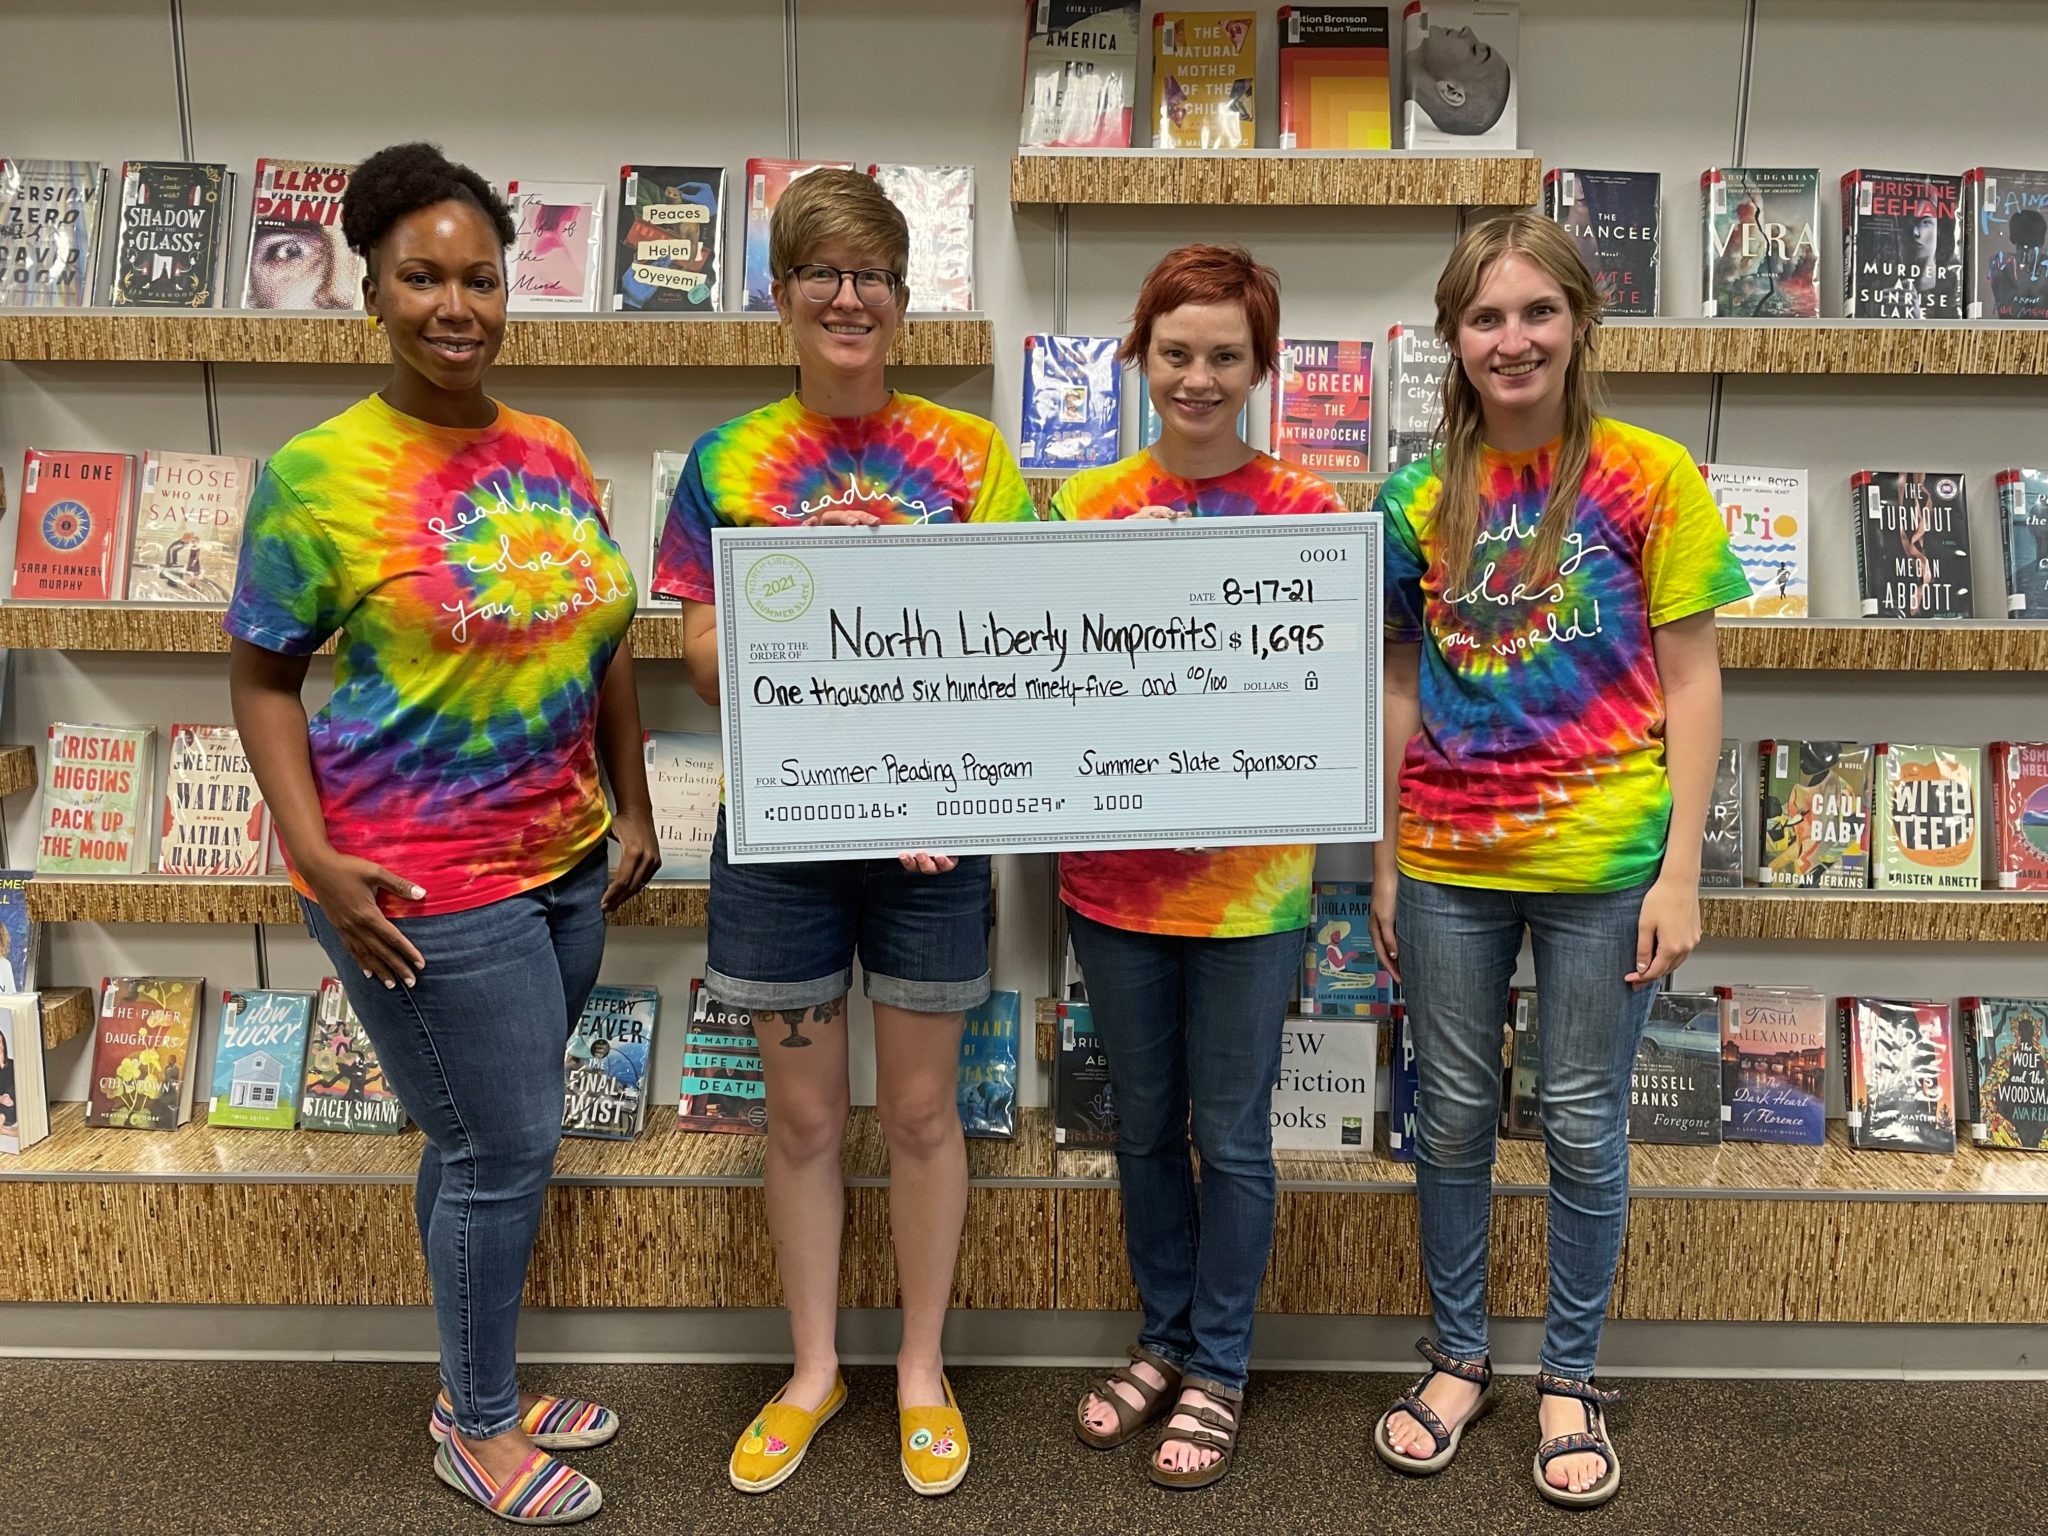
<point>405,178</point>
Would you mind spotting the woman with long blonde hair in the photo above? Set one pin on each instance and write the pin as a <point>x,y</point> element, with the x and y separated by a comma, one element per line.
<point>1553,714</point>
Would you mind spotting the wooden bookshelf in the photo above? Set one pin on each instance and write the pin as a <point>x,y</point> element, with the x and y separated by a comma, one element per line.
<point>1955,348</point>
<point>1876,917</point>
<point>17,769</point>
<point>158,899</point>
<point>67,1014</point>
<point>1273,178</point>
<point>1357,495</point>
<point>581,341</point>
<point>1873,645</point>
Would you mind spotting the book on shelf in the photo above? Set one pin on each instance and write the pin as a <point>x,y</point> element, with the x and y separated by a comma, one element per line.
<point>1616,219</point>
<point>2023,540</point>
<point>1340,974</point>
<point>1335,91</point>
<point>2006,254</point>
<point>1761,259</point>
<point>142,1052</point>
<point>1401,1084</point>
<point>187,537</point>
<point>214,820</point>
<point>1416,363</point>
<point>1924,822</point>
<point>1521,1088</point>
<point>1773,1064</point>
<point>670,238</point>
<point>987,1084</point>
<point>72,531</point>
<point>1071,402</point>
<point>1204,79</point>
<point>1149,424</point>
<point>685,771</point>
<point>1322,406</point>
<point>2006,1044</point>
<point>1765,513</point>
<point>24,1090</point>
<point>938,204</point>
<point>97,780</point>
<point>49,232</point>
<point>1813,830</point>
<point>1722,847</point>
<point>298,258</point>
<point>1674,1090</point>
<point>1912,544</point>
<point>767,180</point>
<point>1459,87</point>
<point>722,1085</point>
<point>1080,74</point>
<point>604,1069</point>
<point>2017,808</point>
<point>344,1088</point>
<point>1899,1073</point>
<point>171,234</point>
<point>668,469</point>
<point>1902,249</point>
<point>1083,1104</point>
<point>557,256</point>
<point>1323,1098</point>
<point>21,938</point>
<point>259,1059</point>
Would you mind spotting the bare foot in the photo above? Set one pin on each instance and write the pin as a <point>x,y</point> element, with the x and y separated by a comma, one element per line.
<point>810,1384</point>
<point>1568,1416</point>
<point>1100,1417</point>
<point>920,1383</point>
<point>1450,1398</point>
<point>1178,1455</point>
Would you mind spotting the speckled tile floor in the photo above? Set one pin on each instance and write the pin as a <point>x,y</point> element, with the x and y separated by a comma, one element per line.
<point>153,1448</point>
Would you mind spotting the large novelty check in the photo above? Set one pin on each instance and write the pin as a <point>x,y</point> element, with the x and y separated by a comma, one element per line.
<point>1025,687</point>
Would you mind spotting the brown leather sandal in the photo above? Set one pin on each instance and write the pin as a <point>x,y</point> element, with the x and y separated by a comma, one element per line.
<point>1216,1431</point>
<point>1152,1401</point>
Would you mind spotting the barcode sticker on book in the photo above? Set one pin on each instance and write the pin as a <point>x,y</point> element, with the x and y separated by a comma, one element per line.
<point>1717,193</point>
<point>31,475</point>
<point>757,194</point>
<point>1871,508</point>
<point>1784,761</point>
<point>149,476</point>
<point>1866,197</point>
<point>1293,36</point>
<point>633,190</point>
<point>1167,44</point>
<point>1568,188</point>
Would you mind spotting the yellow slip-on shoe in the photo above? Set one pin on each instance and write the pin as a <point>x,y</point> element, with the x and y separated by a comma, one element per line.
<point>775,1440</point>
<point>935,1449</point>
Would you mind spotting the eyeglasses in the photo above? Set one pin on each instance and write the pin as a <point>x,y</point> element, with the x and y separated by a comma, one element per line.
<point>873,286</point>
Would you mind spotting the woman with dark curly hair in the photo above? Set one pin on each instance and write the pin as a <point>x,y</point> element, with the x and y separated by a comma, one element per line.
<point>442,815</point>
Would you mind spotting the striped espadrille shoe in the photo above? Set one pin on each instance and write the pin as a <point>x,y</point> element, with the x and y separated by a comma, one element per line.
<point>543,1491</point>
<point>552,1423</point>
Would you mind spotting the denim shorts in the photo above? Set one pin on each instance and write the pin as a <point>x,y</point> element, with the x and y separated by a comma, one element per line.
<point>785,935</point>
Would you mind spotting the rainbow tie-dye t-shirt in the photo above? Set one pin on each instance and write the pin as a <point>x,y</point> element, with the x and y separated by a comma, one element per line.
<point>1540,762</point>
<point>478,599</point>
<point>910,462</point>
<point>1201,893</point>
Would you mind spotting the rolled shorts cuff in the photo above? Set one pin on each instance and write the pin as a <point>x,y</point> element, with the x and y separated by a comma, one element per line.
<point>778,996</point>
<point>927,996</point>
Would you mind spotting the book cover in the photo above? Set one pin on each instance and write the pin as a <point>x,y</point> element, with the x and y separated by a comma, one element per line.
<point>1912,544</point>
<point>142,1055</point>
<point>938,205</point>
<point>2018,812</point>
<point>1340,973</point>
<point>1761,256</point>
<point>96,781</point>
<point>1900,1063</point>
<point>259,1059</point>
<point>685,771</point>
<point>1773,1064</point>
<point>24,1094</point>
<point>188,527</point>
<point>1334,86</point>
<point>668,469</point>
<point>767,180</point>
<point>1721,848</point>
<point>1072,403</point>
<point>170,234</point>
<point>2023,540</point>
<point>1080,74</point>
<point>1322,406</point>
<point>722,1086</point>
<point>49,232</point>
<point>2008,1039</point>
<point>297,256</point>
<point>1674,1091</point>
<point>344,1088</point>
<point>214,821</point>
<point>1814,827</point>
<point>1902,252</point>
<point>1416,362</point>
<point>1765,513</point>
<point>557,256</point>
<point>1083,1106</point>
<point>988,1067</point>
<point>2006,252</point>
<point>1521,1099</point>
<point>670,238</point>
<point>72,530</point>
<point>1204,79</point>
<point>605,1067</point>
<point>1323,1098</point>
<point>1401,1089</point>
<point>20,938</point>
<point>1926,819</point>
<point>1149,425</point>
<point>1461,59</point>
<point>1616,219</point>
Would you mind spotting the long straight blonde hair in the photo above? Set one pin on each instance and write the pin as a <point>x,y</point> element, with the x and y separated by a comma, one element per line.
<point>1461,435</point>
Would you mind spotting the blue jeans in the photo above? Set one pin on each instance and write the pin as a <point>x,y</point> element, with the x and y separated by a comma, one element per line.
<point>1458,950</point>
<point>1193,1022</point>
<point>474,1052</point>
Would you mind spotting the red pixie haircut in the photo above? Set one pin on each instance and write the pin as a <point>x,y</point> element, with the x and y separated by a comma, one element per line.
<point>1209,274</point>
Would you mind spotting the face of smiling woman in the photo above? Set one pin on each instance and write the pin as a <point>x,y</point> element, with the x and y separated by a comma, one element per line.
<point>437,285</point>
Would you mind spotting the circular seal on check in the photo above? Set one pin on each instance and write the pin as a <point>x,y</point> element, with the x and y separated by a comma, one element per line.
<point>779,588</point>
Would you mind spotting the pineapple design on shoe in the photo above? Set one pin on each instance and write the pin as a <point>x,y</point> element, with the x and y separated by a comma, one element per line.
<point>773,1444</point>
<point>935,1448</point>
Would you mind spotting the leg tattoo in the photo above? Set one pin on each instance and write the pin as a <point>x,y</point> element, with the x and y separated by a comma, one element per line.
<point>793,1020</point>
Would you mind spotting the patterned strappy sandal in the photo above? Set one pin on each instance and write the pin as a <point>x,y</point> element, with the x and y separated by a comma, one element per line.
<point>1216,1430</point>
<point>543,1491</point>
<point>552,1423</point>
<point>1152,1401</point>
<point>1593,1440</point>
<point>1447,1437</point>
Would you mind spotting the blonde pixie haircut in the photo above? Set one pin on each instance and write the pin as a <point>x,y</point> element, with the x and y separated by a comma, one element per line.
<point>834,205</point>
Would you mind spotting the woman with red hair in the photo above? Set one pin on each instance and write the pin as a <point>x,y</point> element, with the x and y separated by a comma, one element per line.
<point>1191,953</point>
